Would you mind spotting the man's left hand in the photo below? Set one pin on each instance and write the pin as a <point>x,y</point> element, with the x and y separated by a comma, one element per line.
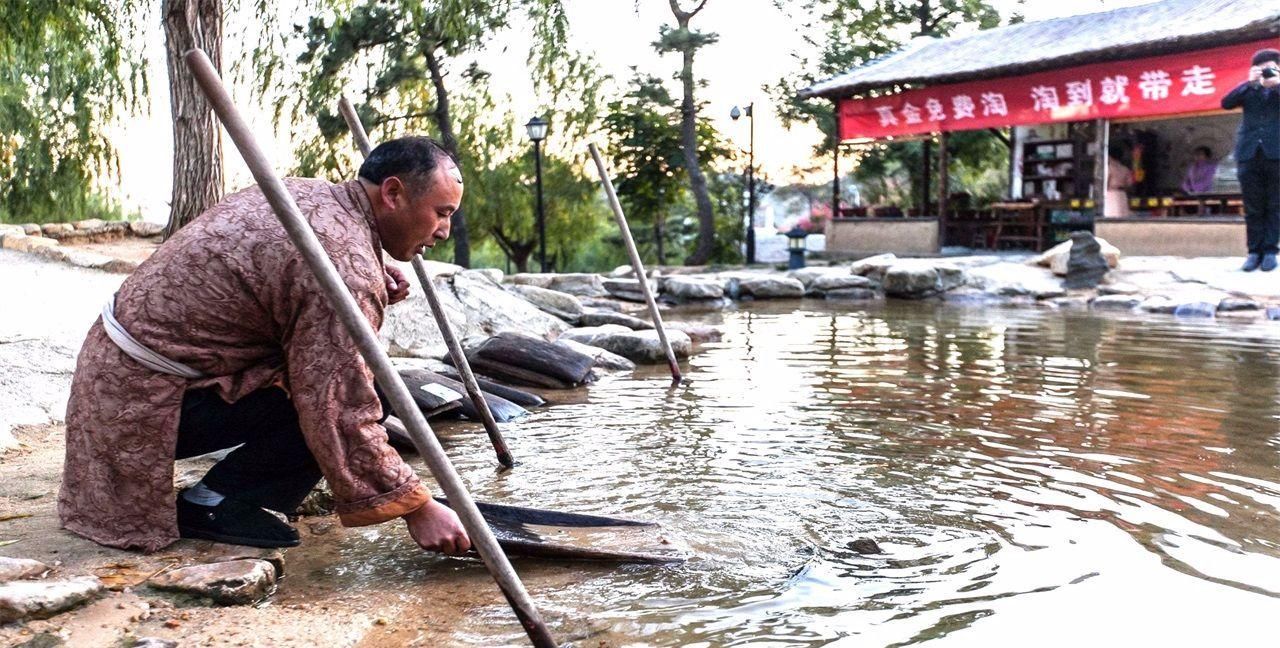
<point>397,285</point>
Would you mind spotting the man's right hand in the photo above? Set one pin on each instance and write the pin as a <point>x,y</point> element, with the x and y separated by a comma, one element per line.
<point>435,527</point>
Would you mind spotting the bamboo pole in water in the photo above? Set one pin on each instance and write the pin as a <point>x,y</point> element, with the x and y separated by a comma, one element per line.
<point>637,265</point>
<point>367,342</point>
<point>433,300</point>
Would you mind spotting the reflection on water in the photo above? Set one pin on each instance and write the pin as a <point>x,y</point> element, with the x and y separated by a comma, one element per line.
<point>1031,476</point>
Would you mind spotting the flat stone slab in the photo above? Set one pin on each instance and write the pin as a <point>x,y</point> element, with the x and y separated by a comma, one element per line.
<point>25,599</point>
<point>589,334</point>
<point>918,278</point>
<point>601,318</point>
<point>12,569</point>
<point>1115,302</point>
<point>807,275</point>
<point>693,288</point>
<point>698,333</point>
<point>827,283</point>
<point>607,360</point>
<point>234,582</point>
<point>644,346</point>
<point>563,305</point>
<point>765,287</point>
<point>851,294</point>
<point>628,289</point>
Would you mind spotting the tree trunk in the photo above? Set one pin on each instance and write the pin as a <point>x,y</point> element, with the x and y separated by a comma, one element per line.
<point>658,235</point>
<point>197,142</point>
<point>517,252</point>
<point>689,143</point>
<point>458,222</point>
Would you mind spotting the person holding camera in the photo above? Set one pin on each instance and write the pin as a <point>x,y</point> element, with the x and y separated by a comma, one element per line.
<point>1258,157</point>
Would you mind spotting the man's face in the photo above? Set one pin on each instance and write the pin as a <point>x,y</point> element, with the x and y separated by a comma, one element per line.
<point>409,223</point>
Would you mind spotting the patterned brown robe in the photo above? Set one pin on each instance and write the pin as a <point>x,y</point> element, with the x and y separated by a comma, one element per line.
<point>229,296</point>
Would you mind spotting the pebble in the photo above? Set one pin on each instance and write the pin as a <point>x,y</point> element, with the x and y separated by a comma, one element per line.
<point>42,599</point>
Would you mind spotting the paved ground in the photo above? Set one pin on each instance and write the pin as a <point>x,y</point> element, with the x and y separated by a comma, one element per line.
<point>47,308</point>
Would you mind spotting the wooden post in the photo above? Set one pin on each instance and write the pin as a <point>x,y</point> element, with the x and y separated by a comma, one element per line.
<point>437,310</point>
<point>1103,139</point>
<point>636,264</point>
<point>366,340</point>
<point>943,177</point>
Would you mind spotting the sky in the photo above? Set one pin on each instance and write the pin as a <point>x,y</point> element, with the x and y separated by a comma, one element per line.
<point>758,44</point>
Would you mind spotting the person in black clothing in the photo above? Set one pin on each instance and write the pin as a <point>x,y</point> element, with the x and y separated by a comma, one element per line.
<point>1258,157</point>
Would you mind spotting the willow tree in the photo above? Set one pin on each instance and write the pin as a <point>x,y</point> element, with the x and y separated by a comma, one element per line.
<point>396,60</point>
<point>687,42</point>
<point>197,142</point>
<point>65,73</point>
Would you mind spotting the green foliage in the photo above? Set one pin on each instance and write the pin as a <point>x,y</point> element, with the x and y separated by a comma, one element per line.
<point>850,33</point>
<point>650,177</point>
<point>65,72</point>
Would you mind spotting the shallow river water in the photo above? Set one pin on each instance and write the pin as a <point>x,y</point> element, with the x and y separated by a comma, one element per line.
<point>1033,477</point>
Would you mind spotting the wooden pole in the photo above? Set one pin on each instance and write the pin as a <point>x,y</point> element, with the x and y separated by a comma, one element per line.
<point>433,300</point>
<point>943,181</point>
<point>637,265</point>
<point>370,349</point>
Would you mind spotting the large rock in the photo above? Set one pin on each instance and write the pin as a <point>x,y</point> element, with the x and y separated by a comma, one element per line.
<point>808,274</point>
<point>1015,279</point>
<point>851,294</point>
<point>89,224</point>
<point>145,229</point>
<point>698,333</point>
<point>562,305</point>
<point>1085,264</point>
<point>580,284</point>
<point>606,360</point>
<point>539,279</point>
<point>874,267</point>
<point>475,306</point>
<point>762,286</point>
<point>824,284</point>
<point>919,278</point>
<point>644,346</point>
<point>602,317</point>
<point>589,334</point>
<point>12,569</point>
<point>234,582</point>
<point>23,599</point>
<point>693,288</point>
<point>1115,302</point>
<point>56,229</point>
<point>627,289</point>
<point>1056,257</point>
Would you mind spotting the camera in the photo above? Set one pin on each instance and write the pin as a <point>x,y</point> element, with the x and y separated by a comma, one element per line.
<point>1270,73</point>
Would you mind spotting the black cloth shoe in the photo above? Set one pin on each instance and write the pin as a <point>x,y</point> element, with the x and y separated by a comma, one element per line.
<point>234,522</point>
<point>1268,262</point>
<point>1251,262</point>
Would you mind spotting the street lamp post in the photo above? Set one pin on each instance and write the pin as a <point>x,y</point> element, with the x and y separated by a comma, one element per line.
<point>537,128</point>
<point>751,179</point>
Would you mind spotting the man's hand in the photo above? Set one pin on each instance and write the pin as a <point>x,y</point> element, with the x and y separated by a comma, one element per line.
<point>1255,73</point>
<point>435,527</point>
<point>397,285</point>
<point>1271,81</point>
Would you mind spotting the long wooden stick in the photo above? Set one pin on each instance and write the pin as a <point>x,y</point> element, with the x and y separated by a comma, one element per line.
<point>367,342</point>
<point>637,264</point>
<point>442,321</point>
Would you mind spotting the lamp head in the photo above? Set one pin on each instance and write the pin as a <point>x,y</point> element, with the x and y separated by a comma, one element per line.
<point>537,128</point>
<point>735,113</point>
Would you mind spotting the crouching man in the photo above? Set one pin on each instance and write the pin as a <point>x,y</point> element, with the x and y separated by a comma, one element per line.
<point>223,338</point>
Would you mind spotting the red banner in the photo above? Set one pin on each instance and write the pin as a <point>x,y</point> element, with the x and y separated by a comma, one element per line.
<point>1189,82</point>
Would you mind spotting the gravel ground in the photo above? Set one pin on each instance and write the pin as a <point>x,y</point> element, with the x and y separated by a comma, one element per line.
<point>45,309</point>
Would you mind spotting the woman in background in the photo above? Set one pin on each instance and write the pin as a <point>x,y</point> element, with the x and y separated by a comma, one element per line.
<point>1119,178</point>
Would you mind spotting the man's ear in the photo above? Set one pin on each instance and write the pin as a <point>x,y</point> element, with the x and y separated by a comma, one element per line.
<point>393,192</point>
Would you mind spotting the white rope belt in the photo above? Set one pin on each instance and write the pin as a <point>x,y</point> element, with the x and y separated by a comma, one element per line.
<point>138,351</point>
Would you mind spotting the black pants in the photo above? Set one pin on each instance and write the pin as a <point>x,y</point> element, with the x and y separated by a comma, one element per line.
<point>1260,184</point>
<point>273,468</point>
